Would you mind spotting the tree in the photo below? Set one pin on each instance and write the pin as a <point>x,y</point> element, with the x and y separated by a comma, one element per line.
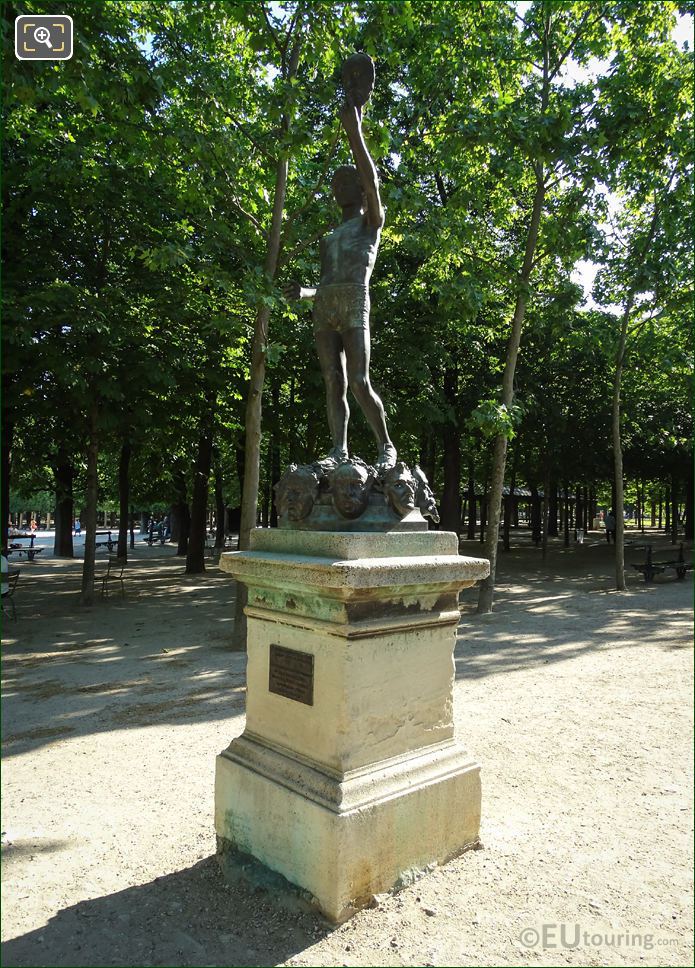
<point>559,148</point>
<point>647,119</point>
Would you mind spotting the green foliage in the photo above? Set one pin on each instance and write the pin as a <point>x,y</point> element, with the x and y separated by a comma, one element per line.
<point>492,419</point>
<point>138,187</point>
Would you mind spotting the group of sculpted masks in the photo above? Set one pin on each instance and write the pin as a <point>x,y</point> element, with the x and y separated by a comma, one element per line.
<point>350,484</point>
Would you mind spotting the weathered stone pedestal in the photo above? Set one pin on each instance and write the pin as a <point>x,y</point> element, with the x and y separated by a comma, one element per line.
<point>347,776</point>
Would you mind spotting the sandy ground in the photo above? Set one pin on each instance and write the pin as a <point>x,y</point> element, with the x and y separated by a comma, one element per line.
<point>576,700</point>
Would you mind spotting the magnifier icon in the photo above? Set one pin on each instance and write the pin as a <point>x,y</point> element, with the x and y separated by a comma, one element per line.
<point>42,35</point>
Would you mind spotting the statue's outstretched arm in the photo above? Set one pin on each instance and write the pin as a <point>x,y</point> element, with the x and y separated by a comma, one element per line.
<point>352,122</point>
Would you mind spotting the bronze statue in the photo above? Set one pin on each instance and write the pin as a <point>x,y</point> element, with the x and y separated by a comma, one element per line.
<point>341,300</point>
<point>350,484</point>
<point>424,498</point>
<point>399,489</point>
<point>297,491</point>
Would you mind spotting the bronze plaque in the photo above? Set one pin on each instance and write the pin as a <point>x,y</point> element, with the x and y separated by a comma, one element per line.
<point>291,674</point>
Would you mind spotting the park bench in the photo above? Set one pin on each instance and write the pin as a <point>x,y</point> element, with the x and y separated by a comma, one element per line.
<point>114,572</point>
<point>107,542</point>
<point>212,550</point>
<point>649,567</point>
<point>16,548</point>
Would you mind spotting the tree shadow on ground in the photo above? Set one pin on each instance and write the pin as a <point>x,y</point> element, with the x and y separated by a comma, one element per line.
<point>160,655</point>
<point>163,654</point>
<point>539,619</point>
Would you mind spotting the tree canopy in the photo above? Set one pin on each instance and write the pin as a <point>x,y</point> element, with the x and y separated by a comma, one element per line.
<point>163,185</point>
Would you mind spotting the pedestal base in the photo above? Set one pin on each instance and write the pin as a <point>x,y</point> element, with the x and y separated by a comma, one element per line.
<point>345,839</point>
<point>347,779</point>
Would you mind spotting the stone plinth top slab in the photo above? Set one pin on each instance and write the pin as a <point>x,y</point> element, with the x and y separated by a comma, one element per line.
<point>260,567</point>
<point>350,546</point>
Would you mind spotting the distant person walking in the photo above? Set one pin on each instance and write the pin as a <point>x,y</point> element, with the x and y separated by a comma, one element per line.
<point>78,527</point>
<point>610,526</point>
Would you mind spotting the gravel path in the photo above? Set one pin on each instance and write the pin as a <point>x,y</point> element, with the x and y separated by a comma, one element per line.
<point>576,700</point>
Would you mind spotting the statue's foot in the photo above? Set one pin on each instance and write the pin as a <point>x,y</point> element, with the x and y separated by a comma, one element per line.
<point>387,457</point>
<point>338,455</point>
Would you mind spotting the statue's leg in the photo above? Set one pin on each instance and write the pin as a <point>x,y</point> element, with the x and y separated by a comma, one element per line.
<point>357,350</point>
<point>329,346</point>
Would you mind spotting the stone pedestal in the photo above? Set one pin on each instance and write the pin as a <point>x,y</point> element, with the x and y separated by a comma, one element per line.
<point>347,777</point>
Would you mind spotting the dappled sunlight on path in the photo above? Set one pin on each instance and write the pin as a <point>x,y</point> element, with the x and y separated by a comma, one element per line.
<point>97,668</point>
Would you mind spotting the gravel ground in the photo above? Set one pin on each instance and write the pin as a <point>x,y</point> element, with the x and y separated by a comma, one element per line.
<point>576,700</point>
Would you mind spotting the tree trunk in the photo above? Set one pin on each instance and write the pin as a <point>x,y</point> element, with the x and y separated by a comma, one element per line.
<point>546,502</point>
<point>642,508</point>
<point>427,451</point>
<point>536,524</point>
<point>195,558</point>
<point>674,509</point>
<point>181,513</point>
<point>7,436</point>
<point>471,504</point>
<point>63,473</point>
<point>240,453</point>
<point>275,455</point>
<point>487,586</point>
<point>567,516</point>
<point>509,505</point>
<point>123,499</point>
<point>552,510</point>
<point>254,409</point>
<point>174,525</point>
<point>560,512</point>
<point>618,491</point>
<point>184,519</point>
<point>451,500</point>
<point>265,503</point>
<point>451,456</point>
<point>593,504</point>
<point>688,523</point>
<point>89,516</point>
<point>219,501</point>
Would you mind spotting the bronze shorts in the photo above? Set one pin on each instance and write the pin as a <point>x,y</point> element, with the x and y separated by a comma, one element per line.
<point>340,307</point>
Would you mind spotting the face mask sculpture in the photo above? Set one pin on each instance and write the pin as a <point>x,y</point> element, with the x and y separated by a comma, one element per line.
<point>351,483</point>
<point>424,498</point>
<point>297,491</point>
<point>399,488</point>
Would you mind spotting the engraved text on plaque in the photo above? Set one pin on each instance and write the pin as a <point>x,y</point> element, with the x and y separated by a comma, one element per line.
<point>291,674</point>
